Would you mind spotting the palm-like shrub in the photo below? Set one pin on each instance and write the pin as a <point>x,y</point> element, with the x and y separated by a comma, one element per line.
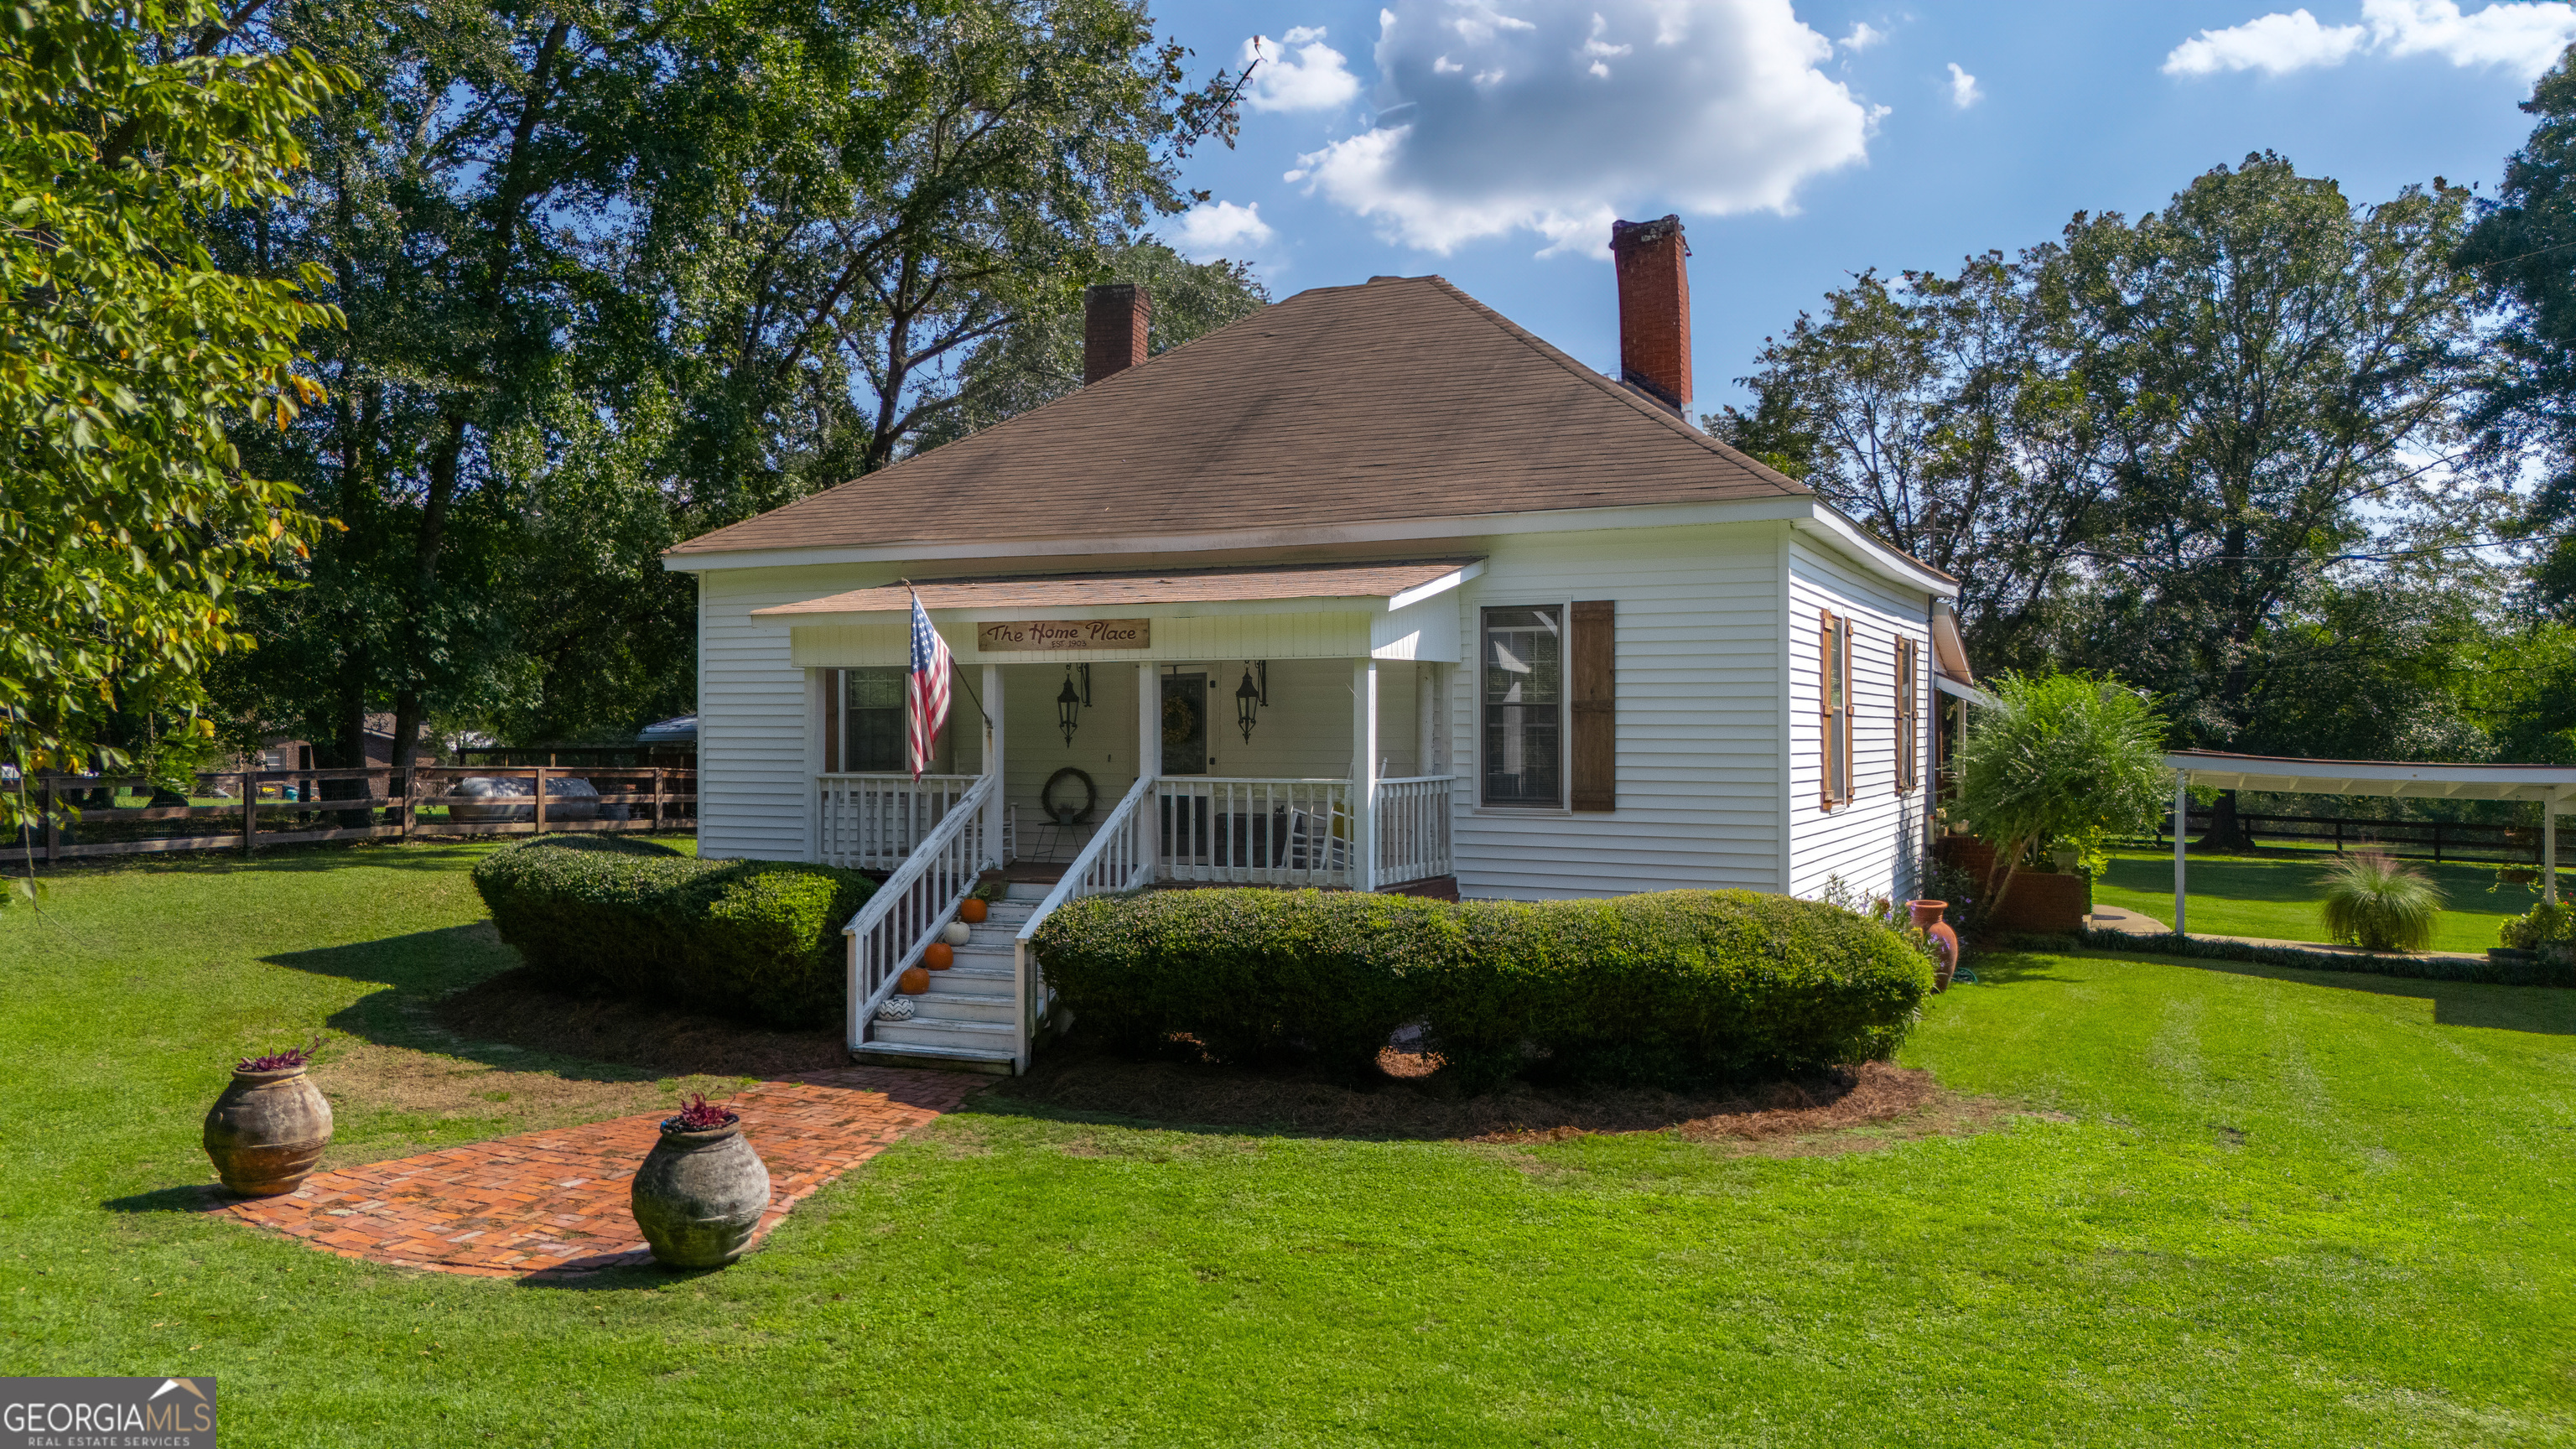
<point>2380,904</point>
<point>2069,758</point>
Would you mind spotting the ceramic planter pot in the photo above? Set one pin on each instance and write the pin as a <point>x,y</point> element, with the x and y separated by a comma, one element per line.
<point>699,1195</point>
<point>266,1131</point>
<point>1945,939</point>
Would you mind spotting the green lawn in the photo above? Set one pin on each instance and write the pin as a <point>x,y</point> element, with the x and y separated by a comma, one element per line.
<point>2269,1208</point>
<point>2276,897</point>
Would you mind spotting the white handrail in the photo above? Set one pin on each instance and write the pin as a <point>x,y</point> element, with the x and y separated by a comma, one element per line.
<point>1228,830</point>
<point>905,915</point>
<point>1114,860</point>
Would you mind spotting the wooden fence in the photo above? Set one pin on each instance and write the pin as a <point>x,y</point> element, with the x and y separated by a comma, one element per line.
<point>288,807</point>
<point>2435,840</point>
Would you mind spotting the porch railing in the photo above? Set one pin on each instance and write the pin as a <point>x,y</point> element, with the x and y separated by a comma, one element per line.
<point>899,922</point>
<point>874,821</point>
<point>1413,829</point>
<point>1118,858</point>
<point>1245,831</point>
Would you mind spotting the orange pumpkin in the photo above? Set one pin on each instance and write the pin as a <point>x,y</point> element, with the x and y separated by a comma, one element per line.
<point>913,981</point>
<point>939,957</point>
<point>972,913</point>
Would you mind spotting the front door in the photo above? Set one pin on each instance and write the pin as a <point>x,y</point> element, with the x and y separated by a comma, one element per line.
<point>1185,709</point>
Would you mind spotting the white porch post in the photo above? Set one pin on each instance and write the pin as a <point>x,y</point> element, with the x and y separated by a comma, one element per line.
<point>994,808</point>
<point>2182,832</point>
<point>1364,774</point>
<point>2549,849</point>
<point>1149,759</point>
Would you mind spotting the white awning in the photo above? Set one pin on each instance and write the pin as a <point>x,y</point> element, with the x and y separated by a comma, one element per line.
<point>2401,779</point>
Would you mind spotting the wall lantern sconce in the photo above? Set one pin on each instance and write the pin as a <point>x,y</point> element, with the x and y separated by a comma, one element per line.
<point>1069,701</point>
<point>1250,697</point>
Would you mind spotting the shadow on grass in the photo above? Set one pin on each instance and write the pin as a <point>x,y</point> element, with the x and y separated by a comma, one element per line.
<point>204,1197</point>
<point>2544,1010</point>
<point>2010,968</point>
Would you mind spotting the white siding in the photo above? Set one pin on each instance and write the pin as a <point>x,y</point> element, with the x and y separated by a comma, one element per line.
<point>1698,720</point>
<point>754,711</point>
<point>1874,841</point>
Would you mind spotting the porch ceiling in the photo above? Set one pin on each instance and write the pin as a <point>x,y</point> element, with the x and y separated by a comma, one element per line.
<point>1375,586</point>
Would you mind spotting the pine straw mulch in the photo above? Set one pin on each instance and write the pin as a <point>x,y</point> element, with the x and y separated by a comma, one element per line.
<point>513,1008</point>
<point>1405,1099</point>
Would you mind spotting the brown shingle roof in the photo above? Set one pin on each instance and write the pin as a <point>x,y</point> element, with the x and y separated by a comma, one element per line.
<point>1403,398</point>
<point>1086,591</point>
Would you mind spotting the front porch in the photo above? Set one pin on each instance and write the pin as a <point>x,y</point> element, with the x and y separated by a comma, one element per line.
<point>1286,728</point>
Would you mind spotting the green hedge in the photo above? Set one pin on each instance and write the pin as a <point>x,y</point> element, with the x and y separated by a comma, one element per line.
<point>605,915</point>
<point>1677,987</point>
<point>2480,969</point>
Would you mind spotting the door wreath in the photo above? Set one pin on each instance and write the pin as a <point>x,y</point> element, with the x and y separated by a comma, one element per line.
<point>1068,814</point>
<point>1181,716</point>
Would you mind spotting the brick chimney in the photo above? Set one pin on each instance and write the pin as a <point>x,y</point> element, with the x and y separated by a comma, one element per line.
<point>1654,308</point>
<point>1113,329</point>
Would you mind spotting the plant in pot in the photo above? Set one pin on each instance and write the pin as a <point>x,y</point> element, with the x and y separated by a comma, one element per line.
<point>701,1191</point>
<point>2071,759</point>
<point>270,1125</point>
<point>2379,904</point>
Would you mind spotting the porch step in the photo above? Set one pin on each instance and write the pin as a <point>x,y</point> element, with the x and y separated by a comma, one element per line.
<point>1027,893</point>
<point>929,1031</point>
<point>952,1058</point>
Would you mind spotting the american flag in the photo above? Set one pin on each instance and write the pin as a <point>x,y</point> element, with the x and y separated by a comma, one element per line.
<point>926,694</point>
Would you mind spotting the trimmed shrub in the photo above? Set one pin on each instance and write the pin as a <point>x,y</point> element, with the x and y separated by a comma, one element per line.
<point>604,916</point>
<point>1676,987</point>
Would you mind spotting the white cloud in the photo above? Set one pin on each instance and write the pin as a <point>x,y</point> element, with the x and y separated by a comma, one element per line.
<point>1863,36</point>
<point>2524,34</point>
<point>1716,106</point>
<point>1963,88</point>
<point>1298,73</point>
<point>1211,230</point>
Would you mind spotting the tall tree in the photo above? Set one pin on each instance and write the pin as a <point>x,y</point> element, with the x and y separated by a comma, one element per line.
<point>2522,252</point>
<point>617,275</point>
<point>2276,374</point>
<point>1930,409</point>
<point>130,530</point>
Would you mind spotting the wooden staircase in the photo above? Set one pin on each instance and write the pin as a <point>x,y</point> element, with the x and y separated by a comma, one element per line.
<point>965,1021</point>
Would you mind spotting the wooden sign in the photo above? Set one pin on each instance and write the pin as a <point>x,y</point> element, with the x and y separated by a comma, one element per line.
<point>1065,634</point>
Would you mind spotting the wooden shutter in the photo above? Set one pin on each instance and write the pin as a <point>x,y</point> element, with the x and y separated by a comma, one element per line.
<point>1596,711</point>
<point>1833,712</point>
<point>1908,684</point>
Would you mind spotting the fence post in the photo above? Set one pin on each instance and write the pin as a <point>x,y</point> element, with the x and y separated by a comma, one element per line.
<point>657,797</point>
<point>541,798</point>
<point>250,812</point>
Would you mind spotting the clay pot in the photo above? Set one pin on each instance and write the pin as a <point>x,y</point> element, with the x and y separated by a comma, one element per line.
<point>699,1195</point>
<point>973,912</point>
<point>266,1131</point>
<point>1945,939</point>
<point>913,981</point>
<point>940,956</point>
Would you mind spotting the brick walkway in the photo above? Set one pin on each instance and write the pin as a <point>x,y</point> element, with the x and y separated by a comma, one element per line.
<point>555,1202</point>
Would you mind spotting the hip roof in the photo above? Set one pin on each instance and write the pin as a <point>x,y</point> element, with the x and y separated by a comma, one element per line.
<point>1403,398</point>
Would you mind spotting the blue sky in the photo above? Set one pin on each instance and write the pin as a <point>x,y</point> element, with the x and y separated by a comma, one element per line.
<point>1803,143</point>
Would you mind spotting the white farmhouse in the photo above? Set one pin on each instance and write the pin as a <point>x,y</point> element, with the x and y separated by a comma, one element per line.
<point>1373,589</point>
